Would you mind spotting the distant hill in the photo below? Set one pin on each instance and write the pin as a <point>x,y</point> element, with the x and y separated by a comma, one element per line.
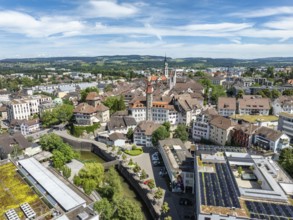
<point>144,61</point>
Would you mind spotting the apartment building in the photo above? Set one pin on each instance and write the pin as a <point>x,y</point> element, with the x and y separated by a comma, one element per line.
<point>221,130</point>
<point>252,105</point>
<point>242,135</point>
<point>24,108</point>
<point>201,125</point>
<point>270,139</point>
<point>25,127</point>
<point>283,104</point>
<point>285,124</point>
<point>226,106</point>
<point>142,134</point>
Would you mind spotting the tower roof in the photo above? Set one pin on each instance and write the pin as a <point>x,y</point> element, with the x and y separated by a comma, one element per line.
<point>149,89</point>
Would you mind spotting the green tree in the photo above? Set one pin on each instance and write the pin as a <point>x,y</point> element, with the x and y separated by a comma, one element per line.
<point>108,88</point>
<point>270,72</point>
<point>115,103</point>
<point>275,94</point>
<point>288,92</point>
<point>64,112</point>
<point>137,168</point>
<point>85,92</point>
<point>129,134</point>
<point>167,125</point>
<point>240,94</point>
<point>89,185</point>
<point>151,184</point>
<point>128,210</point>
<point>160,134</point>
<point>181,132</point>
<point>50,141</point>
<point>58,159</point>
<point>286,160</point>
<point>66,171</point>
<point>165,208</point>
<point>168,218</point>
<point>130,163</point>
<point>239,170</point>
<point>92,171</point>
<point>105,209</point>
<point>159,194</point>
<point>143,175</point>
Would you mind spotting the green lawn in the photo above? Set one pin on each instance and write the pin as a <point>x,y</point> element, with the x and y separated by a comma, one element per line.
<point>255,118</point>
<point>135,152</point>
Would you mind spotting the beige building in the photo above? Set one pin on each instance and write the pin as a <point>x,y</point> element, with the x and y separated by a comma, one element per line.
<point>251,105</point>
<point>226,106</point>
<point>221,130</point>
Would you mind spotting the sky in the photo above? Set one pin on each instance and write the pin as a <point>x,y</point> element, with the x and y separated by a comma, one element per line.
<point>179,28</point>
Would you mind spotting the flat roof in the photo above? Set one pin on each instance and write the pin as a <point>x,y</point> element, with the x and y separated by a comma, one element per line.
<point>65,196</point>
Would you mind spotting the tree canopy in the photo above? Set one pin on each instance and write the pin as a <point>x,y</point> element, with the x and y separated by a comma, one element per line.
<point>60,114</point>
<point>115,103</point>
<point>160,134</point>
<point>286,160</point>
<point>181,132</point>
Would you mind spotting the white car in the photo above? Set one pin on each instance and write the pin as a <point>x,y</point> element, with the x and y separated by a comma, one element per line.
<point>155,156</point>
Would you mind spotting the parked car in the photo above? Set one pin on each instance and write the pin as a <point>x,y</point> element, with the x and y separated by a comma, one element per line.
<point>163,172</point>
<point>185,202</point>
<point>157,163</point>
<point>155,156</point>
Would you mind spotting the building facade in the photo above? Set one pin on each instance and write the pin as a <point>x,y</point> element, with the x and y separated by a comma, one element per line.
<point>285,124</point>
<point>226,106</point>
<point>142,134</point>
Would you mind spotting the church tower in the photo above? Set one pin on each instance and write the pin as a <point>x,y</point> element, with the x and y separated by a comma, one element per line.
<point>149,101</point>
<point>166,70</point>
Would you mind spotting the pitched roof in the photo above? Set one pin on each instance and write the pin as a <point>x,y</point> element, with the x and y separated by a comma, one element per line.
<point>7,141</point>
<point>92,96</point>
<point>16,122</point>
<point>85,108</point>
<point>210,111</point>
<point>269,133</point>
<point>121,122</point>
<point>116,136</point>
<point>184,85</point>
<point>246,128</point>
<point>226,103</point>
<point>148,127</point>
<point>254,103</point>
<point>221,122</point>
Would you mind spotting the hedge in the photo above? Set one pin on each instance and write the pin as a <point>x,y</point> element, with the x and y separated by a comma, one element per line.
<point>135,152</point>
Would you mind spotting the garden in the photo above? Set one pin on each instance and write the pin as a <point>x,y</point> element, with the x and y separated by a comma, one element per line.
<point>14,192</point>
<point>135,151</point>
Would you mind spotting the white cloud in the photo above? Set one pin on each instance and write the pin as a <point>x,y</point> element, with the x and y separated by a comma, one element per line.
<point>107,9</point>
<point>224,27</point>
<point>21,23</point>
<point>264,12</point>
<point>284,23</point>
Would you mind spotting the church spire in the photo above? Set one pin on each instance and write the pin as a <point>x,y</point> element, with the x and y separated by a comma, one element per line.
<point>166,69</point>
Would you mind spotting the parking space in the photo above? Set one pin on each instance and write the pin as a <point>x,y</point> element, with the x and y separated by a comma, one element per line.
<point>177,211</point>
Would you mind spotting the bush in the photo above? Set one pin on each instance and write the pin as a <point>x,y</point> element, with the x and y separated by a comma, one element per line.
<point>135,152</point>
<point>77,131</point>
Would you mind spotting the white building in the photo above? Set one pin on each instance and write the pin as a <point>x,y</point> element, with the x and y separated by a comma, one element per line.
<point>251,105</point>
<point>283,104</point>
<point>285,123</point>
<point>25,126</point>
<point>270,139</point>
<point>20,109</point>
<point>201,125</point>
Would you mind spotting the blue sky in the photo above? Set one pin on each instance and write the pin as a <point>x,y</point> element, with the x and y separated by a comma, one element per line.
<point>179,28</point>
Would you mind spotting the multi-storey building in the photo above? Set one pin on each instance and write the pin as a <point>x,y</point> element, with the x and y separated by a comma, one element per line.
<point>243,135</point>
<point>226,106</point>
<point>283,104</point>
<point>252,105</point>
<point>142,134</point>
<point>24,108</point>
<point>201,125</point>
<point>25,126</point>
<point>221,130</point>
<point>270,139</point>
<point>285,124</point>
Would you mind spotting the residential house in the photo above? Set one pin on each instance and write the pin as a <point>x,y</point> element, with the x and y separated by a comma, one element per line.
<point>243,135</point>
<point>142,134</point>
<point>285,123</point>
<point>117,139</point>
<point>251,105</point>
<point>201,125</point>
<point>221,130</point>
<point>25,127</point>
<point>179,164</point>
<point>283,104</point>
<point>218,80</point>
<point>121,124</point>
<point>11,144</point>
<point>270,139</point>
<point>226,106</point>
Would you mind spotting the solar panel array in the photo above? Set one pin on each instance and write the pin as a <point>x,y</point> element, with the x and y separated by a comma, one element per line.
<point>28,211</point>
<point>221,148</point>
<point>12,215</point>
<point>264,210</point>
<point>219,189</point>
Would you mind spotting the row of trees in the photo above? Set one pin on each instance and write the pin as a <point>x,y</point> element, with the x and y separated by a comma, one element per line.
<point>216,90</point>
<point>272,94</point>
<point>62,152</point>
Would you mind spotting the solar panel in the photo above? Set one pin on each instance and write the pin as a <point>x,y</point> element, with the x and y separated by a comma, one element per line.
<point>51,200</point>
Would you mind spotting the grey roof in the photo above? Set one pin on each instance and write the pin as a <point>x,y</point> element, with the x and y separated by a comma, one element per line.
<point>65,196</point>
<point>116,136</point>
<point>7,141</point>
<point>269,133</point>
<point>117,122</point>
